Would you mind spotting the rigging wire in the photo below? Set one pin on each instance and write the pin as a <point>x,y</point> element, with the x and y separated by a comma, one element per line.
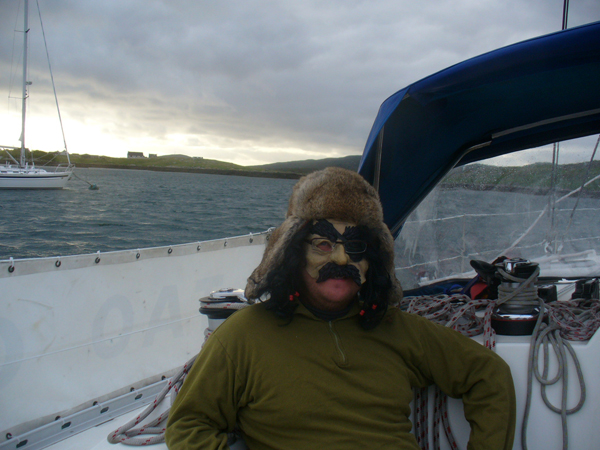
<point>555,154</point>
<point>12,62</point>
<point>565,16</point>
<point>583,184</point>
<point>53,85</point>
<point>532,226</point>
<point>552,195</point>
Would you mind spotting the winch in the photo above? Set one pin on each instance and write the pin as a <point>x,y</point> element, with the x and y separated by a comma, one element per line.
<point>219,305</point>
<point>518,298</point>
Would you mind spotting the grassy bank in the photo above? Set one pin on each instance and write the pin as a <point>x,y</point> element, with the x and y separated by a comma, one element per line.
<point>533,178</point>
<point>170,163</point>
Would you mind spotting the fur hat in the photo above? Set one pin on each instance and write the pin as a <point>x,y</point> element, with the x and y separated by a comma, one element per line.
<point>332,193</point>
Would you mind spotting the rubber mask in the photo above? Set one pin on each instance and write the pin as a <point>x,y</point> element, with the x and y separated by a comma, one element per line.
<point>344,264</point>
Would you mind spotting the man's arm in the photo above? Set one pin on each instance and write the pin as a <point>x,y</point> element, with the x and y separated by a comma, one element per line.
<point>464,368</point>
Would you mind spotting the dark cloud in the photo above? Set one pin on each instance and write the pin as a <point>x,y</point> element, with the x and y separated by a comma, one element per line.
<point>298,79</point>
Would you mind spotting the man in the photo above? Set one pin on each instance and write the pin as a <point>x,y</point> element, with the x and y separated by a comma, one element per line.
<point>320,360</point>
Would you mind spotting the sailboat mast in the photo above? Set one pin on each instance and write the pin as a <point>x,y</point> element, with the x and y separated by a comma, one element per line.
<point>24,106</point>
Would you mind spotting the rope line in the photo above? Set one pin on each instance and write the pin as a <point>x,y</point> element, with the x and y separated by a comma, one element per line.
<point>128,434</point>
<point>93,187</point>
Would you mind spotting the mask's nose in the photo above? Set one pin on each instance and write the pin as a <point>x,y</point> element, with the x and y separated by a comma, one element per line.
<point>339,255</point>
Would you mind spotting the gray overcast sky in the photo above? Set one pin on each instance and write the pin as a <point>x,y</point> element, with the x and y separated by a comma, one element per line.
<point>247,81</point>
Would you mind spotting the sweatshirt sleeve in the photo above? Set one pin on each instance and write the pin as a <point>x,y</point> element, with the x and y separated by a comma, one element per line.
<point>463,368</point>
<point>205,409</point>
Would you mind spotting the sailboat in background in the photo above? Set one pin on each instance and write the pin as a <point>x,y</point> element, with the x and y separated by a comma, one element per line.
<point>20,174</point>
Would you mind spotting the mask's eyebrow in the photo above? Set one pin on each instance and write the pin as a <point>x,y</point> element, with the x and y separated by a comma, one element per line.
<point>351,233</point>
<point>326,229</point>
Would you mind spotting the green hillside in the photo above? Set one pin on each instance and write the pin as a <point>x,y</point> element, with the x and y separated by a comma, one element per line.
<point>310,165</point>
<point>293,169</point>
<point>533,178</point>
<point>174,163</point>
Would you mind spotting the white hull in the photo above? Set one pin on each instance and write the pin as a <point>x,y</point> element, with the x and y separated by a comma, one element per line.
<point>32,178</point>
<point>82,329</point>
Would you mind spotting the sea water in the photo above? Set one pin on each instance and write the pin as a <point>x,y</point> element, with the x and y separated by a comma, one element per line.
<point>136,209</point>
<point>452,227</point>
<point>140,209</point>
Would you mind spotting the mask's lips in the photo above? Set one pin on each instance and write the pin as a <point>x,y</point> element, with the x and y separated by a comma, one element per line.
<point>332,270</point>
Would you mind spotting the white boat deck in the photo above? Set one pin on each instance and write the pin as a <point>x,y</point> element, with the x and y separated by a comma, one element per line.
<point>88,343</point>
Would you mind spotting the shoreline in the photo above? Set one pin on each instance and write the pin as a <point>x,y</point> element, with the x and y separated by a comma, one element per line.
<point>241,173</point>
<point>294,176</point>
<point>541,191</point>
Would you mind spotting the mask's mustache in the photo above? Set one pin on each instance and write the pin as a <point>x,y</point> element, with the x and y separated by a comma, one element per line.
<point>333,270</point>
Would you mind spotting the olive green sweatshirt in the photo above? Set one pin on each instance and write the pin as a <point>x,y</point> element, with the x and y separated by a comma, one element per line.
<point>313,384</point>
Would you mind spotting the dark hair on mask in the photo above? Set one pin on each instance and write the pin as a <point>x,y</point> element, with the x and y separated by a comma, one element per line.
<point>376,290</point>
<point>285,281</point>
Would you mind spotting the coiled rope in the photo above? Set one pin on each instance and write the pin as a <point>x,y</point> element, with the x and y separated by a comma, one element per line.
<point>575,320</point>
<point>557,323</point>
<point>525,295</point>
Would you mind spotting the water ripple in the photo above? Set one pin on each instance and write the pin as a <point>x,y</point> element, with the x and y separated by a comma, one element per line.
<point>137,209</point>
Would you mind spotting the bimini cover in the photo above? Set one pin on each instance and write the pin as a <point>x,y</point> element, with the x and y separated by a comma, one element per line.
<point>525,95</point>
